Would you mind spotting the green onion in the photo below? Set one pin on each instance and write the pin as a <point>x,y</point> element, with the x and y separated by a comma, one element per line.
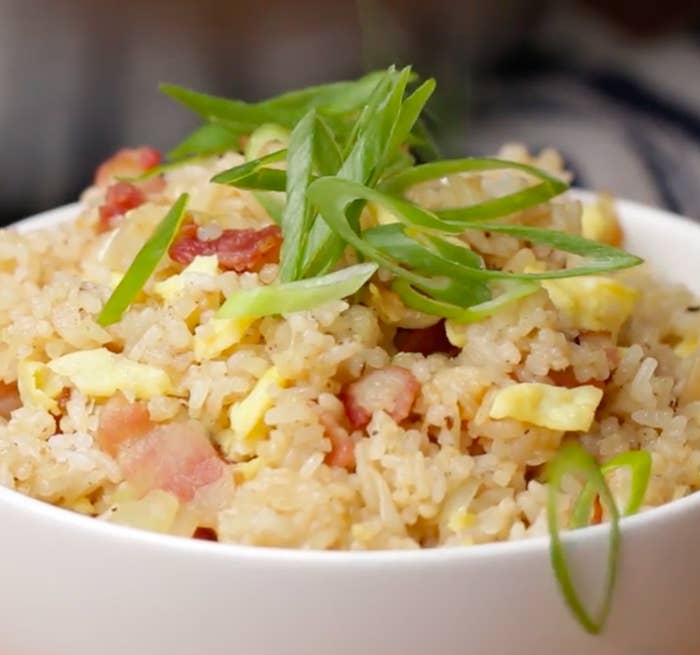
<point>513,291</point>
<point>208,139</point>
<point>297,215</point>
<point>262,136</point>
<point>333,196</point>
<point>369,152</point>
<point>334,99</point>
<point>259,139</point>
<point>328,156</point>
<point>639,464</point>
<point>571,459</point>
<point>296,296</point>
<point>548,188</point>
<point>145,262</point>
<point>256,174</point>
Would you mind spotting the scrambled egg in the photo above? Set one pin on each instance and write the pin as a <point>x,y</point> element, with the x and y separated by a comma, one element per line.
<point>456,333</point>
<point>599,223</point>
<point>156,511</point>
<point>461,520</point>
<point>380,214</point>
<point>101,373</point>
<point>37,385</point>
<point>592,302</point>
<point>217,336</point>
<point>246,416</point>
<point>548,406</point>
<point>687,346</point>
<point>169,289</point>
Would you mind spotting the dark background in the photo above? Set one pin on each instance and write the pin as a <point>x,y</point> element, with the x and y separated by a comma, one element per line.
<point>615,85</point>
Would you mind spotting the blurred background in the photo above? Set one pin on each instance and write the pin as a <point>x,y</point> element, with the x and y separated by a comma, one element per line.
<point>613,84</point>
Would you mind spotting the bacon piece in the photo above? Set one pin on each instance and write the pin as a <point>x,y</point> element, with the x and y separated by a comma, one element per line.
<point>342,452</point>
<point>127,162</point>
<point>119,199</point>
<point>9,399</point>
<point>176,457</point>
<point>122,422</point>
<point>237,250</point>
<point>205,534</point>
<point>393,389</point>
<point>425,341</point>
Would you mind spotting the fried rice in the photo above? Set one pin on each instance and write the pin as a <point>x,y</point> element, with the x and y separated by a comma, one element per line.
<point>373,426</point>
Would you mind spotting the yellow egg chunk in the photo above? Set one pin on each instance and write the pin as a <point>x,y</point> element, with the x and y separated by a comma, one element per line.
<point>548,406</point>
<point>456,333</point>
<point>171,288</point>
<point>246,416</point>
<point>100,373</point>
<point>687,346</point>
<point>599,223</point>
<point>217,336</point>
<point>156,511</point>
<point>592,302</point>
<point>37,385</point>
<point>461,519</point>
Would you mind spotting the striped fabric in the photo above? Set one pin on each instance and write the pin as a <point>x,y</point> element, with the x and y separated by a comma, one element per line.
<point>625,115</point>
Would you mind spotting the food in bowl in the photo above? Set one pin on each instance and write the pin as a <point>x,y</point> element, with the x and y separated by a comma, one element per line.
<point>294,334</point>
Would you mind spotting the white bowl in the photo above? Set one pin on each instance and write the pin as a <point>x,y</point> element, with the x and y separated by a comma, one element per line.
<point>75,586</point>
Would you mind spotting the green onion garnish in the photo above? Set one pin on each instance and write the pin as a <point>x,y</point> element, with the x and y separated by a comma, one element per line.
<point>257,142</point>
<point>145,262</point>
<point>296,296</point>
<point>548,187</point>
<point>639,464</point>
<point>209,139</point>
<point>572,459</point>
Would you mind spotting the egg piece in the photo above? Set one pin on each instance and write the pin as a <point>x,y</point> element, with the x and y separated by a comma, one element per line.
<point>38,386</point>
<point>218,335</point>
<point>461,520</point>
<point>156,511</point>
<point>246,416</point>
<point>599,222</point>
<point>548,406</point>
<point>381,215</point>
<point>173,286</point>
<point>100,373</point>
<point>592,302</point>
<point>686,346</point>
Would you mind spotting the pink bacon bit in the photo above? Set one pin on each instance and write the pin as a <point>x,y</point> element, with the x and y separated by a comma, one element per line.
<point>119,199</point>
<point>393,390</point>
<point>177,457</point>
<point>120,196</point>
<point>342,453</point>
<point>237,250</point>
<point>127,162</point>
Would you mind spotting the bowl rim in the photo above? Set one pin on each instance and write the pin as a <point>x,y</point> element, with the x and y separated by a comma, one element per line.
<point>131,537</point>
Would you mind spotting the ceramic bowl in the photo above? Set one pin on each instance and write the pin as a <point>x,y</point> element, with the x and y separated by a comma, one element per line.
<point>75,586</point>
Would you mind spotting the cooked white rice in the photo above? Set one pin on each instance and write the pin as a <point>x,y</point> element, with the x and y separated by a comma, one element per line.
<point>446,475</point>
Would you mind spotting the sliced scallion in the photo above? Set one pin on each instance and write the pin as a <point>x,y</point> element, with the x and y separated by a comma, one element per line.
<point>547,188</point>
<point>570,460</point>
<point>296,296</point>
<point>145,262</point>
<point>639,464</point>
